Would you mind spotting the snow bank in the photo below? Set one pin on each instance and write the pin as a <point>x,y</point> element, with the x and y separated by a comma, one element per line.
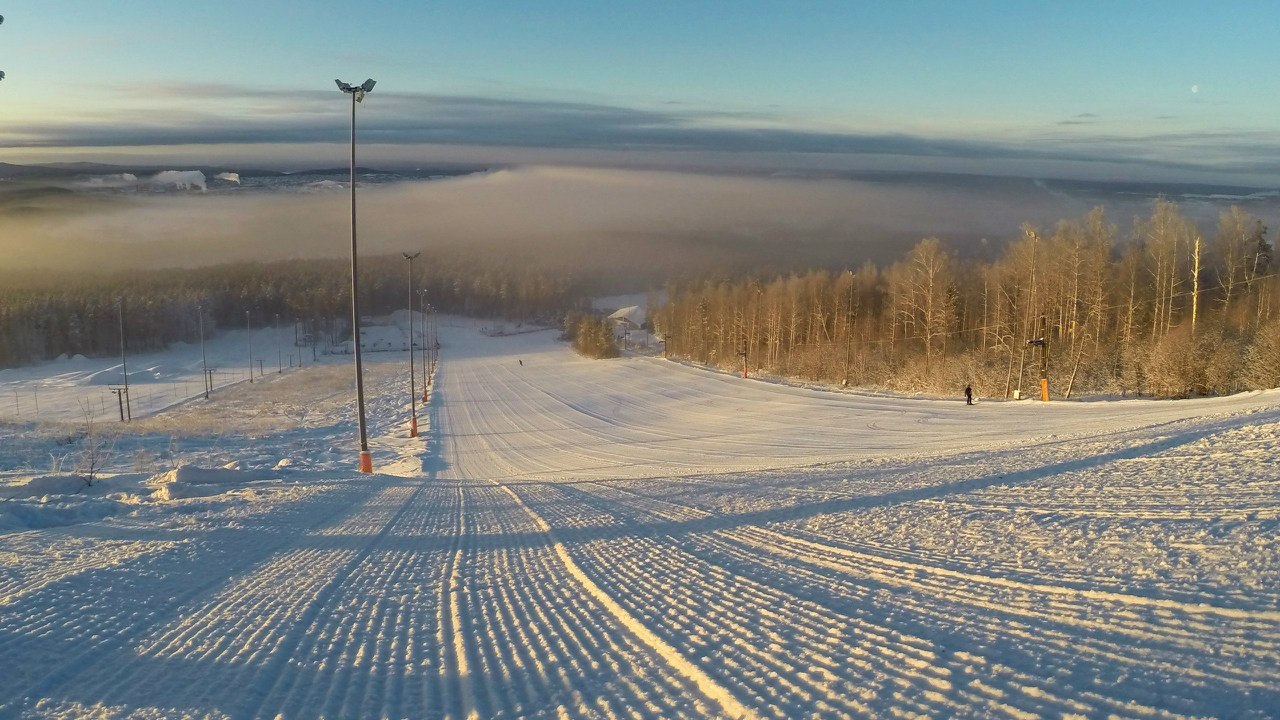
<point>189,481</point>
<point>42,485</point>
<point>57,500</point>
<point>20,515</point>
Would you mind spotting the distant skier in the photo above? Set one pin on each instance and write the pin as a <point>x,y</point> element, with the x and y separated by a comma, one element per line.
<point>968,394</point>
<point>521,361</point>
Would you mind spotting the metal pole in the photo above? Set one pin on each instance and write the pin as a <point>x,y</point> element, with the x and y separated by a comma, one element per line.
<point>204,359</point>
<point>366,460</point>
<point>435,342</point>
<point>279,352</point>
<point>1044,359</point>
<point>422,309</point>
<point>124,365</point>
<point>249,333</point>
<point>413,391</point>
<point>848,331</point>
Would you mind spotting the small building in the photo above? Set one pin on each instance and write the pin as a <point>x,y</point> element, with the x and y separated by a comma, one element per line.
<point>628,318</point>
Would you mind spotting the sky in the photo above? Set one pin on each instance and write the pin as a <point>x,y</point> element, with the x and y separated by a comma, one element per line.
<point>1128,90</point>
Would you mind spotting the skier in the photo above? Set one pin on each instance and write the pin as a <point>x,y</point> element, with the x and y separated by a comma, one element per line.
<point>521,361</point>
<point>968,394</point>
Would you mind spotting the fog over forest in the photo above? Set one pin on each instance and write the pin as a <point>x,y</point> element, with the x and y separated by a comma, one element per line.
<point>621,226</point>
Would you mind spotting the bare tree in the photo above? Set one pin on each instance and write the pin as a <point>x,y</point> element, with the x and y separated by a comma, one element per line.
<point>96,451</point>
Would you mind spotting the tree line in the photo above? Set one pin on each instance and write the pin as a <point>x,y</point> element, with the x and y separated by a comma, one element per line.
<point>590,335</point>
<point>1163,311</point>
<point>44,315</point>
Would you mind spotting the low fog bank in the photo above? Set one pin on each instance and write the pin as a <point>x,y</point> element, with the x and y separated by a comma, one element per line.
<point>618,225</point>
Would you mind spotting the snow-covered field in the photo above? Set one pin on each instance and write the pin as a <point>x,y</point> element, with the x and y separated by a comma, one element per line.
<point>638,538</point>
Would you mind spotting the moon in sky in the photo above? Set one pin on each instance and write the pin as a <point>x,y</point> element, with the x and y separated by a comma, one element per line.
<point>1195,89</point>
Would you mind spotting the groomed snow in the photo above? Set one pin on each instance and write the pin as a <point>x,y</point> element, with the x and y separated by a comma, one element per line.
<point>639,538</point>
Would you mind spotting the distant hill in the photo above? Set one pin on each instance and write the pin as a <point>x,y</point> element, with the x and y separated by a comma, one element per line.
<point>71,170</point>
<point>68,170</point>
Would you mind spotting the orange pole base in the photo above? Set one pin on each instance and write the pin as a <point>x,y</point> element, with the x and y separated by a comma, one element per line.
<point>1044,389</point>
<point>413,427</point>
<point>366,461</point>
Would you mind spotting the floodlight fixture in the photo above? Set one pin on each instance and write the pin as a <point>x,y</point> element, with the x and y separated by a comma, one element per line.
<point>357,92</point>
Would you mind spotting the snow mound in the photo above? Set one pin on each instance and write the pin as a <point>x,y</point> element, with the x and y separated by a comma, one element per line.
<point>20,515</point>
<point>42,485</point>
<point>189,481</point>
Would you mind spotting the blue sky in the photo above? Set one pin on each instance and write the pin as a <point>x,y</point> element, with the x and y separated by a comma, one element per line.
<point>1165,89</point>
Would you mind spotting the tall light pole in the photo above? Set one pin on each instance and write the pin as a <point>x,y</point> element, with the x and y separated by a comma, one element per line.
<point>357,94</point>
<point>848,331</point>
<point>249,333</point>
<point>434,347</point>
<point>204,359</point>
<point>426,333</point>
<point>279,352</point>
<point>124,365</point>
<point>413,391</point>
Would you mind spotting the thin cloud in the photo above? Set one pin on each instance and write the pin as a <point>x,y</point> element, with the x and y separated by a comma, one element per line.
<point>217,114</point>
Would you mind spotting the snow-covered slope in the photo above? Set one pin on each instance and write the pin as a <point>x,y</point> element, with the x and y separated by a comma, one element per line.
<point>637,538</point>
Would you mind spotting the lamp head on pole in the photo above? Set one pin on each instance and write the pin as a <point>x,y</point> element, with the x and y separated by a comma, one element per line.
<point>358,91</point>
<point>407,256</point>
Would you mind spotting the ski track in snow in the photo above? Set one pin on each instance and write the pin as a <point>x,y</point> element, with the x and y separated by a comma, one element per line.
<point>642,539</point>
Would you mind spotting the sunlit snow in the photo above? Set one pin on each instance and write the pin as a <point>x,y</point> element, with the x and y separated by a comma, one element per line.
<point>628,538</point>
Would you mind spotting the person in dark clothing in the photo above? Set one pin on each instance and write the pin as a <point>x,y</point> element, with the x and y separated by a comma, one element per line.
<point>521,363</point>
<point>968,394</point>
